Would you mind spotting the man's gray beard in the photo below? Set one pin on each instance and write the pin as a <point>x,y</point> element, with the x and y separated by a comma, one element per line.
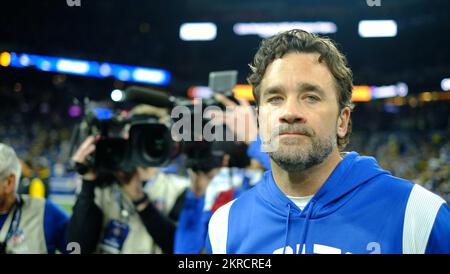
<point>302,159</point>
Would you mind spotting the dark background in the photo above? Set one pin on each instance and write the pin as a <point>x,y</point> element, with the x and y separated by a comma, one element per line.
<point>146,33</point>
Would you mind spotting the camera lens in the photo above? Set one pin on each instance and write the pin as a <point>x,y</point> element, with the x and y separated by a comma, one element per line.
<point>150,144</point>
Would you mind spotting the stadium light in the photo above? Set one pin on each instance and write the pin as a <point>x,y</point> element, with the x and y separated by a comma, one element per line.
<point>198,31</point>
<point>368,93</point>
<point>149,76</point>
<point>24,60</point>
<point>200,92</point>
<point>105,70</point>
<point>117,95</point>
<point>72,66</point>
<point>445,84</point>
<point>400,89</point>
<point>361,94</point>
<point>86,68</point>
<point>377,28</point>
<point>243,92</point>
<point>45,65</point>
<point>268,29</point>
<point>123,75</point>
<point>5,59</point>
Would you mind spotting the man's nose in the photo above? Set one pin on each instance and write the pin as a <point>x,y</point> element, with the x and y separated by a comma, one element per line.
<point>292,112</point>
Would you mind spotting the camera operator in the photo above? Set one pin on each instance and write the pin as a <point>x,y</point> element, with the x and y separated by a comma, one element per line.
<point>125,216</point>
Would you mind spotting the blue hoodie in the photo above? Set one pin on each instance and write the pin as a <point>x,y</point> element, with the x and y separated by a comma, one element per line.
<point>360,208</point>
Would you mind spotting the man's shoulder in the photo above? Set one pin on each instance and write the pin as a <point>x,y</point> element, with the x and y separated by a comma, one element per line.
<point>230,219</point>
<point>249,196</point>
<point>421,215</point>
<point>391,185</point>
<point>222,213</point>
<point>218,229</point>
<point>242,204</point>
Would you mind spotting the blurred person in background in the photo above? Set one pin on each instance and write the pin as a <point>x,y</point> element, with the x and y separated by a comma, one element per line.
<point>210,190</point>
<point>128,212</point>
<point>27,224</point>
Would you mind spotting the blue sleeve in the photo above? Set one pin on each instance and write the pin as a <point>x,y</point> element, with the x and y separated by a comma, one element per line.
<point>439,240</point>
<point>192,226</point>
<point>55,224</point>
<point>254,151</point>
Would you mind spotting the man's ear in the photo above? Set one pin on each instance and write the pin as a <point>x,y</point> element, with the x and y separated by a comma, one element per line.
<point>10,184</point>
<point>257,116</point>
<point>342,123</point>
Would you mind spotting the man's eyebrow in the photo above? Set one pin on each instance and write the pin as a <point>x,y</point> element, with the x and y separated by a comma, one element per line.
<point>273,90</point>
<point>304,87</point>
<point>301,87</point>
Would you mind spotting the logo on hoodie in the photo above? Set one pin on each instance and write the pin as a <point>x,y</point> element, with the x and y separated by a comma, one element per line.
<point>372,247</point>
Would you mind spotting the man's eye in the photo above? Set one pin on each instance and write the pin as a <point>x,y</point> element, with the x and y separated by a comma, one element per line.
<point>312,98</point>
<point>275,100</point>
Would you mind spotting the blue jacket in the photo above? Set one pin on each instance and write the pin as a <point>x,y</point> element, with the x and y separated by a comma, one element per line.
<point>360,208</point>
<point>192,228</point>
